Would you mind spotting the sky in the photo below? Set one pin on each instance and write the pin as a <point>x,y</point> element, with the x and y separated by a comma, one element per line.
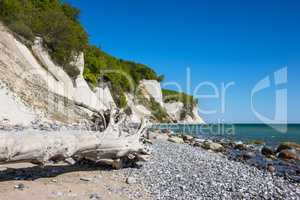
<point>205,46</point>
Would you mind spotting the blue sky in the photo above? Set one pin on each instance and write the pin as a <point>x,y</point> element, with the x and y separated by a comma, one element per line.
<point>219,41</point>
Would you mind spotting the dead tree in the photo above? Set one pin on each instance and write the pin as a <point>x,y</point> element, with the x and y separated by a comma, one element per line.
<point>114,146</point>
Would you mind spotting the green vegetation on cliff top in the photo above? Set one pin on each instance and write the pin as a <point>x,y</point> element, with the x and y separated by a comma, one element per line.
<point>58,25</point>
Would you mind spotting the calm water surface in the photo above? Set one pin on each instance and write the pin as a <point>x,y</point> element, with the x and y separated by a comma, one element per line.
<point>271,134</point>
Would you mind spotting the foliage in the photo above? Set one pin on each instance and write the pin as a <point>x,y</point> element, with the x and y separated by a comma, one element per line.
<point>189,102</point>
<point>64,37</point>
<point>158,112</point>
<point>22,29</point>
<point>173,96</point>
<point>124,75</point>
<point>55,22</point>
<point>161,78</point>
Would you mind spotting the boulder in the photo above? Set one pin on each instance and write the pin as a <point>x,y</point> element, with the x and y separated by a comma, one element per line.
<point>155,135</point>
<point>198,140</point>
<point>212,146</point>
<point>288,154</point>
<point>131,180</point>
<point>240,146</point>
<point>288,145</point>
<point>197,144</point>
<point>168,131</point>
<point>187,137</point>
<point>266,151</point>
<point>216,147</point>
<point>271,168</point>
<point>175,139</point>
<point>162,136</point>
<point>248,155</point>
<point>256,142</point>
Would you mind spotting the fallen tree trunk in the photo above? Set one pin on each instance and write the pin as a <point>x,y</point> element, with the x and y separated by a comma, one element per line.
<point>111,146</point>
<point>99,114</point>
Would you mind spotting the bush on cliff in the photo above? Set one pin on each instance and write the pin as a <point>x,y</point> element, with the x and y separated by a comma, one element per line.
<point>56,23</point>
<point>189,102</point>
<point>124,75</point>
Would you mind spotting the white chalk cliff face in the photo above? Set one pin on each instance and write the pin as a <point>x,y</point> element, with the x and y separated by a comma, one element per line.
<point>13,110</point>
<point>174,109</point>
<point>196,119</point>
<point>20,64</point>
<point>83,93</point>
<point>23,63</point>
<point>104,95</point>
<point>35,66</point>
<point>138,111</point>
<point>153,88</point>
<point>62,83</point>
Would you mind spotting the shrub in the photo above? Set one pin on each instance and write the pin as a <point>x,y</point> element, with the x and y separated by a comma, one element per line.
<point>56,23</point>
<point>158,112</point>
<point>119,97</point>
<point>161,78</point>
<point>124,75</point>
<point>188,101</point>
<point>22,29</point>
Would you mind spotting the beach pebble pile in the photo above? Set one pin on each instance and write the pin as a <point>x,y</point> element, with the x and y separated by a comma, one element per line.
<point>180,171</point>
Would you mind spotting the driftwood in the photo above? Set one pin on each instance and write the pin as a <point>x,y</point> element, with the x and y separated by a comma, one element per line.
<point>114,146</point>
<point>98,115</point>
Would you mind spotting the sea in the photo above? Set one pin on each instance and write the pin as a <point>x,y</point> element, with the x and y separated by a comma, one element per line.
<point>271,134</point>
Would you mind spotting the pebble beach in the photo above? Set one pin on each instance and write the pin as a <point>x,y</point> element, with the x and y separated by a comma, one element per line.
<point>180,171</point>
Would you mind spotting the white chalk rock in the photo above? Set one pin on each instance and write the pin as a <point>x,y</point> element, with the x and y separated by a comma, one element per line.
<point>138,111</point>
<point>154,89</point>
<point>64,84</point>
<point>104,95</point>
<point>83,92</point>
<point>12,109</point>
<point>174,109</point>
<point>195,119</point>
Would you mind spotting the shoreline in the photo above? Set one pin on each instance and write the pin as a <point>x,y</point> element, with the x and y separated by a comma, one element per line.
<point>238,131</point>
<point>181,171</point>
<point>181,167</point>
<point>282,159</point>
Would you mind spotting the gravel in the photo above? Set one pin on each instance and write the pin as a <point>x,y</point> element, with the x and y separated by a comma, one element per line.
<point>180,171</point>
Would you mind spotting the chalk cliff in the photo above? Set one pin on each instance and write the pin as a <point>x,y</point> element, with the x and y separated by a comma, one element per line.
<point>34,87</point>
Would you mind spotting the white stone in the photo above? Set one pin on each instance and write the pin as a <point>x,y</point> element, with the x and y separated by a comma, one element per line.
<point>177,140</point>
<point>215,146</point>
<point>174,109</point>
